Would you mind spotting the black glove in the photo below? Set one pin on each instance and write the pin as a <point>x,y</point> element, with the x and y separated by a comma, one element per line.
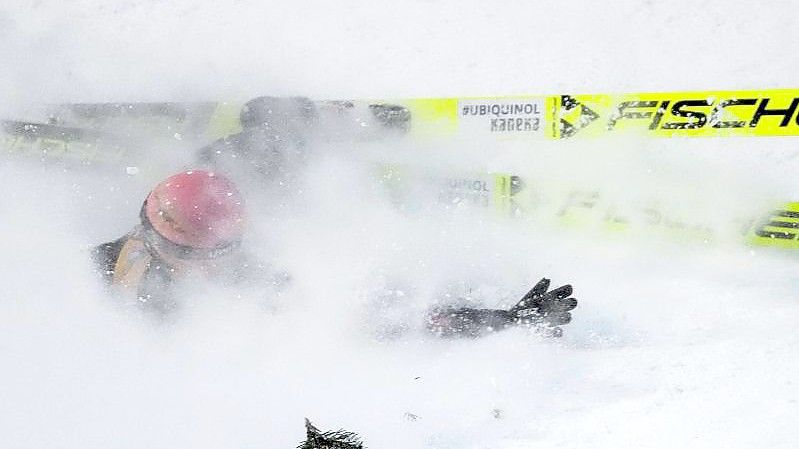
<point>539,309</point>
<point>545,309</point>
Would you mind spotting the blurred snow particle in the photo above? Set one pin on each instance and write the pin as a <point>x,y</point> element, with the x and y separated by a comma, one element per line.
<point>132,171</point>
<point>410,416</point>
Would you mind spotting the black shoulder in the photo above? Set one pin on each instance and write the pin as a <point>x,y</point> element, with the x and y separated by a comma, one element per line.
<point>223,146</point>
<point>105,257</point>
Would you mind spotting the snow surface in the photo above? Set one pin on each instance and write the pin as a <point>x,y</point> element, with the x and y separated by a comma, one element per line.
<point>673,345</point>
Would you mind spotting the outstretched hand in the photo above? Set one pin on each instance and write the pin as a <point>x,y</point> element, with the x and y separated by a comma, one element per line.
<point>540,309</point>
<point>546,309</point>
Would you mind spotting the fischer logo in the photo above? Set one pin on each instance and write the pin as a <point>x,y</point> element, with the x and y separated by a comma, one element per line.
<point>586,116</point>
<point>682,114</point>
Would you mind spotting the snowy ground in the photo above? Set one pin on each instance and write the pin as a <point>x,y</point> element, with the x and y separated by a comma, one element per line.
<point>673,345</point>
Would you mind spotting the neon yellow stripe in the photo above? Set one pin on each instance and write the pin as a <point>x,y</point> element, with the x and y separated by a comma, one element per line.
<point>719,113</point>
<point>224,121</point>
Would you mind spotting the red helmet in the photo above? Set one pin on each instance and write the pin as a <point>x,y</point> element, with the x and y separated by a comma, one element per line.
<point>195,210</point>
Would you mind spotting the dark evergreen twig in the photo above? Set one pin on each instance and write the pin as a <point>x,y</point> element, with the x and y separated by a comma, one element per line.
<point>338,439</point>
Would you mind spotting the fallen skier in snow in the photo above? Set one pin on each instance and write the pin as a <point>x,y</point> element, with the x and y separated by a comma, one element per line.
<point>192,225</point>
